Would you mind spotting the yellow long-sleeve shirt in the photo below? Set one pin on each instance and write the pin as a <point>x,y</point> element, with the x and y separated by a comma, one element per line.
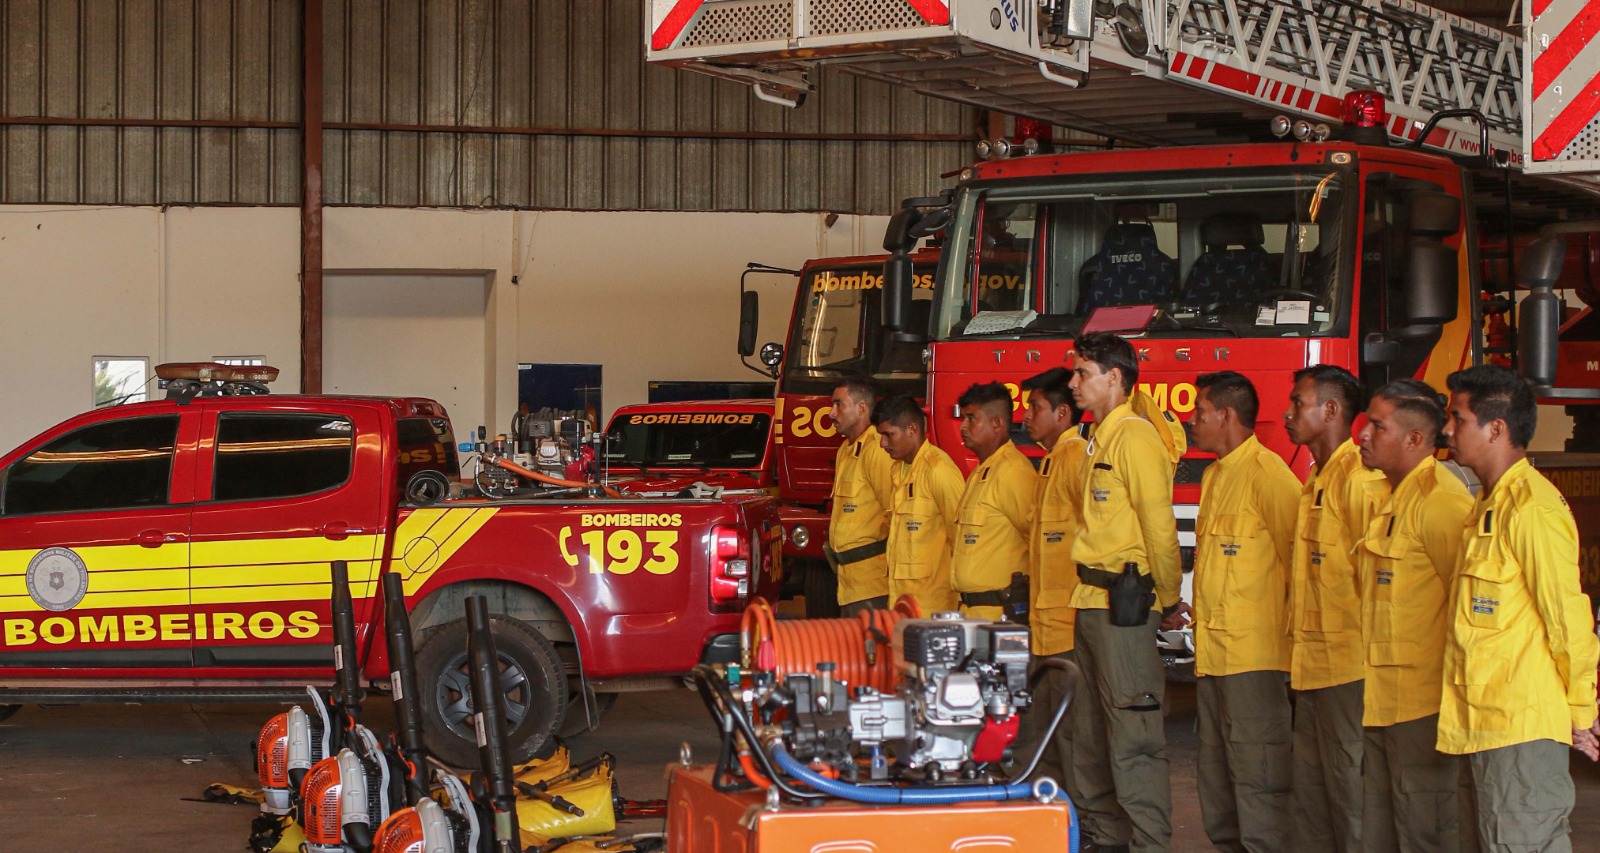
<point>992,523</point>
<point>1519,664</point>
<point>1244,537</point>
<point>1127,509</point>
<point>922,526</point>
<point>863,490</point>
<point>1056,522</point>
<point>1338,500</point>
<point>1407,562</point>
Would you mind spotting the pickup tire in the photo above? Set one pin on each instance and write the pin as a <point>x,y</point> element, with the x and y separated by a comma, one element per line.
<point>821,590</point>
<point>531,675</point>
<point>7,710</point>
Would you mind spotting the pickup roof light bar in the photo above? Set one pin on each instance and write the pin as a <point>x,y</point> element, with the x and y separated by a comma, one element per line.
<point>210,371</point>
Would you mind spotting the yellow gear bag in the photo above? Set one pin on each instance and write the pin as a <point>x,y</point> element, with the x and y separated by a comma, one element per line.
<point>538,822</point>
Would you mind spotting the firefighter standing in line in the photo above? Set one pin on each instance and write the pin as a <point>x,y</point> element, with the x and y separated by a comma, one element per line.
<point>1244,545</point>
<point>1407,562</point>
<point>1519,661</point>
<point>922,520</point>
<point>1326,667</point>
<point>863,489</point>
<point>1057,517</point>
<point>991,542</point>
<point>1127,550</point>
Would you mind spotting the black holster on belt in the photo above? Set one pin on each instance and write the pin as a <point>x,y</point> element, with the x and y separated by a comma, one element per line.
<point>1130,594</point>
<point>854,555</point>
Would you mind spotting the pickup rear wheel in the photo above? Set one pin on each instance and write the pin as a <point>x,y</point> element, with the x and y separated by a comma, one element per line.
<point>531,677</point>
<point>821,590</point>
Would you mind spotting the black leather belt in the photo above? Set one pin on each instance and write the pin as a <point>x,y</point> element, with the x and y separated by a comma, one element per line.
<point>988,598</point>
<point>856,554</point>
<point>1104,579</point>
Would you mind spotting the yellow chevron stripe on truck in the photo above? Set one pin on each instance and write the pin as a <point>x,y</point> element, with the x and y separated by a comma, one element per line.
<point>428,538</point>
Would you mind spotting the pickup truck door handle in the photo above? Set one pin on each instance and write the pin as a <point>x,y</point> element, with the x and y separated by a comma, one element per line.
<point>337,530</point>
<point>156,538</point>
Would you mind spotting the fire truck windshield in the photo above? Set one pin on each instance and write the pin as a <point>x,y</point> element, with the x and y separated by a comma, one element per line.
<point>680,439</point>
<point>839,332</point>
<point>1224,253</point>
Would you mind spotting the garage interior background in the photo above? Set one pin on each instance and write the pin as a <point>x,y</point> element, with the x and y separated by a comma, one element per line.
<point>507,181</point>
<point>601,210</point>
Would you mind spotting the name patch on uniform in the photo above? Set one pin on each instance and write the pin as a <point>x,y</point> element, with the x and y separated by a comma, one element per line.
<point>1316,557</point>
<point>913,526</point>
<point>1484,605</point>
<point>1054,536</point>
<point>1230,549</point>
<point>1101,494</point>
<point>849,507</point>
<point>970,538</point>
<point>1385,576</point>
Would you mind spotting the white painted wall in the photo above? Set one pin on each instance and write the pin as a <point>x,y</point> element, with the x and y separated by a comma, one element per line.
<point>646,295</point>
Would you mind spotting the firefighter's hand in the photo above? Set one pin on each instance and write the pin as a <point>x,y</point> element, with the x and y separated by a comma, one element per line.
<point>1178,619</point>
<point>1587,742</point>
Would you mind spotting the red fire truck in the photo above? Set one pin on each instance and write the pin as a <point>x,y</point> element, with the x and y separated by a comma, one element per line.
<point>179,550</point>
<point>835,330</point>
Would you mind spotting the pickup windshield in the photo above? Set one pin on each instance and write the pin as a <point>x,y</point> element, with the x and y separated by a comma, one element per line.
<point>1232,253</point>
<point>839,332</point>
<point>689,440</point>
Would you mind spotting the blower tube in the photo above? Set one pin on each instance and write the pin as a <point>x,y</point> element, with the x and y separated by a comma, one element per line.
<point>484,664</point>
<point>548,480</point>
<point>403,677</point>
<point>346,660</point>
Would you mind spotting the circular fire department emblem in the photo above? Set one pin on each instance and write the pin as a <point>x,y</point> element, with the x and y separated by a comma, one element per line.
<point>57,579</point>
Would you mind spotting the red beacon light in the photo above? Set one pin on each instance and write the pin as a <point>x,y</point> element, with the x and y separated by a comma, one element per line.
<point>189,379</point>
<point>1365,117</point>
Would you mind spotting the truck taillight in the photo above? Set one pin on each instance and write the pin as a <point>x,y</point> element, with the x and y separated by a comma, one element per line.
<point>730,564</point>
<point>1365,108</point>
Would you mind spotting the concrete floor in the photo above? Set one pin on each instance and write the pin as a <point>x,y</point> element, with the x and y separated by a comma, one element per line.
<point>124,777</point>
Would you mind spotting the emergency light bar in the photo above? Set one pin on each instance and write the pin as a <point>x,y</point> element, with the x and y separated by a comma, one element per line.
<point>211,371</point>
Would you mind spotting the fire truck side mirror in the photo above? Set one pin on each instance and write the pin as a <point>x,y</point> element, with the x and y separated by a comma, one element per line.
<point>897,280</point>
<point>749,322</point>
<point>1539,314</point>
<point>1432,267</point>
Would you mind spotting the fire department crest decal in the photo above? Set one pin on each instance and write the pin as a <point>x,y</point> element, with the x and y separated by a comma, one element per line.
<point>57,579</point>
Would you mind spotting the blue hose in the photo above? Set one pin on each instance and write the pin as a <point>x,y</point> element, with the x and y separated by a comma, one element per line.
<point>916,796</point>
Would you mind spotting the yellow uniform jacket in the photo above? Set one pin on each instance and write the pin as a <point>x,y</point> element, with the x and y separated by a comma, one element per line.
<point>863,489</point>
<point>1337,502</point>
<point>1407,561</point>
<point>1244,541</point>
<point>1519,663</point>
<point>1127,508</point>
<point>1056,521</point>
<point>992,523</point>
<point>922,525</point>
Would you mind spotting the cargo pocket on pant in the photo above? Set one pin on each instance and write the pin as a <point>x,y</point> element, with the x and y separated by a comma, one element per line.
<point>1530,829</point>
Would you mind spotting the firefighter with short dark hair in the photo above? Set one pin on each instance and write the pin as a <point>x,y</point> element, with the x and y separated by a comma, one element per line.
<point>1520,656</point>
<point>1127,562</point>
<point>996,510</point>
<point>863,491</point>
<point>1244,540</point>
<point>927,496</point>
<point>1407,562</point>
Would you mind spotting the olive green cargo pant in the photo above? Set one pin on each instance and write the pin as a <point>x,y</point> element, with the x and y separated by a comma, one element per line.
<point>1412,793</point>
<point>1327,769</point>
<point>1119,738</point>
<point>1050,687</point>
<point>1244,766</point>
<point>1524,796</point>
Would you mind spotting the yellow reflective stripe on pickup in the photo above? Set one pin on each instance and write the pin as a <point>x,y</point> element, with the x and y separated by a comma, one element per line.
<point>428,538</point>
<point>119,576</point>
<point>238,571</point>
<point>103,558</point>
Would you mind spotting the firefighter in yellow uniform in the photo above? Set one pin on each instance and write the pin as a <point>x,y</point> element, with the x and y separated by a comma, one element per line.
<point>1127,563</point>
<point>1244,544</point>
<point>1327,666</point>
<point>922,520</point>
<point>1051,421</point>
<point>863,489</point>
<point>1407,563</point>
<point>991,545</point>
<point>1519,661</point>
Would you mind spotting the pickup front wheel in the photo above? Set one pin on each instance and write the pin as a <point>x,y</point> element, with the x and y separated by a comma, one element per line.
<point>531,676</point>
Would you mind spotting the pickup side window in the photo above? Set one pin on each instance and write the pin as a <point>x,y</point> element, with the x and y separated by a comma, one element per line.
<point>120,464</point>
<point>261,456</point>
<point>426,444</point>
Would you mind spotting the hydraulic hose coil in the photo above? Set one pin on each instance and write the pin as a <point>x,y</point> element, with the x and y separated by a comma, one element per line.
<point>858,647</point>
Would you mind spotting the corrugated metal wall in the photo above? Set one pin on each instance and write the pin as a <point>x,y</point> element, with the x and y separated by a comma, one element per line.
<point>567,113</point>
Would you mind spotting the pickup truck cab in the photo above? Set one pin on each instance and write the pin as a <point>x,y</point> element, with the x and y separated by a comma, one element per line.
<point>179,550</point>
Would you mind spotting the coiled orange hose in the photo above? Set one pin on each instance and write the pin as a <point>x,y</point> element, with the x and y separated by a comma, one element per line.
<point>508,465</point>
<point>798,645</point>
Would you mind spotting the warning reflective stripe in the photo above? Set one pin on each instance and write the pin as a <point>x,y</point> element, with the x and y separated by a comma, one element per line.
<point>1565,75</point>
<point>119,576</point>
<point>102,558</point>
<point>427,538</point>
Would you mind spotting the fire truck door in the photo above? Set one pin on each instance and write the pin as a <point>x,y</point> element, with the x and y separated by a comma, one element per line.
<point>280,495</point>
<point>95,525</point>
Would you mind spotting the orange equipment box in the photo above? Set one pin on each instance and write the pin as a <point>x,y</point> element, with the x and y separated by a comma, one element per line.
<point>701,820</point>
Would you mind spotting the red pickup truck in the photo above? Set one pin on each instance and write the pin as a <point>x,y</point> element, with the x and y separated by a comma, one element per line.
<point>179,551</point>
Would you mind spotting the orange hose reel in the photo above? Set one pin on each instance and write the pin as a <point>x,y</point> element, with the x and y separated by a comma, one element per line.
<point>859,647</point>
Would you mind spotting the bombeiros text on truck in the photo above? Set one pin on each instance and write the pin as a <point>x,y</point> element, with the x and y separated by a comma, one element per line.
<point>178,550</point>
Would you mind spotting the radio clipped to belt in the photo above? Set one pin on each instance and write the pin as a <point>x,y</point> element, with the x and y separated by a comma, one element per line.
<point>1131,597</point>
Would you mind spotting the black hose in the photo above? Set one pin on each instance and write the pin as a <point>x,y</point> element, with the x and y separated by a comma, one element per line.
<point>1071,670</point>
<point>346,661</point>
<point>407,701</point>
<point>487,699</point>
<point>705,677</point>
